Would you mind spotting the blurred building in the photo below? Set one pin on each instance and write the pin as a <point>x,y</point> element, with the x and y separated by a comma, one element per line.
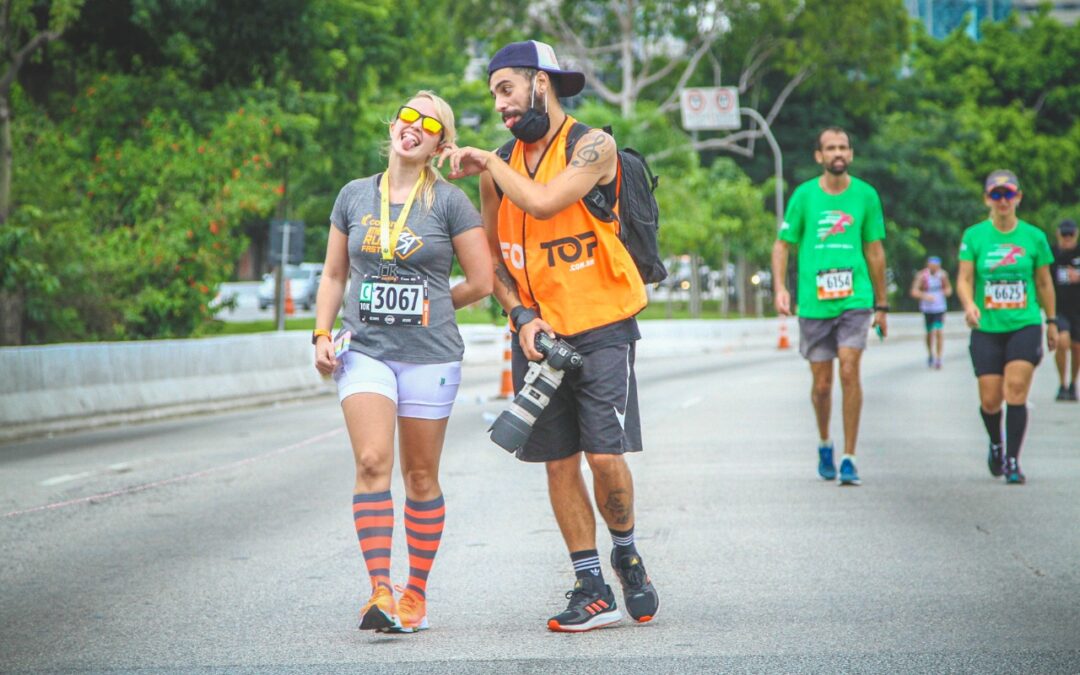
<point>1065,11</point>
<point>944,16</point>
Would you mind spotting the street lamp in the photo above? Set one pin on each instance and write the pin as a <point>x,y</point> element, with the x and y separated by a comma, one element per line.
<point>717,108</point>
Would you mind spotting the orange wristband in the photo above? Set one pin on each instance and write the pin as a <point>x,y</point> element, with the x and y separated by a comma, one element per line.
<point>315,334</point>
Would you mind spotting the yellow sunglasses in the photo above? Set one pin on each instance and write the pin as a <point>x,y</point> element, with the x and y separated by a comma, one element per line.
<point>429,124</point>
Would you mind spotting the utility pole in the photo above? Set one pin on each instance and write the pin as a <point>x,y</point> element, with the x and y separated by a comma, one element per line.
<point>279,305</point>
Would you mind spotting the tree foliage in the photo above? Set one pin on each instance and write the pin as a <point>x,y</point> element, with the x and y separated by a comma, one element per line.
<point>966,108</point>
<point>152,140</point>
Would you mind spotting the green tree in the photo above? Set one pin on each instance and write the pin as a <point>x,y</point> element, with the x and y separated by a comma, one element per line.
<point>142,237</point>
<point>25,27</point>
<point>119,108</point>
<point>965,108</point>
<point>635,50</point>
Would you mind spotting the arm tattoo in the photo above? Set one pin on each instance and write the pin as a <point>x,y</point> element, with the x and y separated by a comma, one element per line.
<point>590,153</point>
<point>503,275</point>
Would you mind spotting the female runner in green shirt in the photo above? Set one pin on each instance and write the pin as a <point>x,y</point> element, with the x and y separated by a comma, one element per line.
<point>1004,268</point>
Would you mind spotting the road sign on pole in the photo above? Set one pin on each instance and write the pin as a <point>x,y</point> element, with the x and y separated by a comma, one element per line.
<point>286,241</point>
<point>286,244</point>
<point>710,108</point>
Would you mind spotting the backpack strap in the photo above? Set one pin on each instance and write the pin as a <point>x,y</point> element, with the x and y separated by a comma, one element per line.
<point>594,199</point>
<point>577,130</point>
<point>504,151</point>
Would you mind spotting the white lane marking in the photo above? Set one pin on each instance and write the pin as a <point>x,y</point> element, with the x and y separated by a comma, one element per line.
<point>176,479</point>
<point>121,467</point>
<point>690,402</point>
<point>66,478</point>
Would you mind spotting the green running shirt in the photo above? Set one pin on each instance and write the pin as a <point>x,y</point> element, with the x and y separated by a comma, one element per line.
<point>830,231</point>
<point>1005,264</point>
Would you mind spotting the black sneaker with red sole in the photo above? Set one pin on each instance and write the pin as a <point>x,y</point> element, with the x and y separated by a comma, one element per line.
<point>639,596</point>
<point>592,605</point>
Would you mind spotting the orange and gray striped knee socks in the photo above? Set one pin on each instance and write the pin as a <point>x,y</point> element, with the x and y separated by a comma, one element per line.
<point>373,514</point>
<point>423,531</point>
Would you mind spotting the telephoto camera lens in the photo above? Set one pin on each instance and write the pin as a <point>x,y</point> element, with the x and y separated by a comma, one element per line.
<point>512,427</point>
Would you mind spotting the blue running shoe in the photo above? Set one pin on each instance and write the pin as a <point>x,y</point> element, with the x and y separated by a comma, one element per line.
<point>826,468</point>
<point>1013,474</point>
<point>849,475</point>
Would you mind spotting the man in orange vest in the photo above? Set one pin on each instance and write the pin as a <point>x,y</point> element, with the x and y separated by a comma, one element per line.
<point>562,270</point>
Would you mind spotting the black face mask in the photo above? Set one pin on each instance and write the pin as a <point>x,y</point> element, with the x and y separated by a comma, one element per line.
<point>534,123</point>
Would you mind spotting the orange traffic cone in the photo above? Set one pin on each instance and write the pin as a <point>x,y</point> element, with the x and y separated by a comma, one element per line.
<point>506,387</point>
<point>784,342</point>
<point>290,308</point>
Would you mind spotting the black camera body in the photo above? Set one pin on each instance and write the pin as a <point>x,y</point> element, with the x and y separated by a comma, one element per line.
<point>512,427</point>
<point>557,353</point>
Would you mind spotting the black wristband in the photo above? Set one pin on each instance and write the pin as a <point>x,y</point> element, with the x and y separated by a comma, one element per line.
<point>881,308</point>
<point>1051,320</point>
<point>521,315</point>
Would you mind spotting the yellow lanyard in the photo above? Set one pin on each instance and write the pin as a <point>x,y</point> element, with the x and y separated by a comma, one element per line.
<point>389,233</point>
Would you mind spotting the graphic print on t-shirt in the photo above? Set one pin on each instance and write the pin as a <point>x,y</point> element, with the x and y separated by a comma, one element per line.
<point>1004,255</point>
<point>833,223</point>
<point>408,243</point>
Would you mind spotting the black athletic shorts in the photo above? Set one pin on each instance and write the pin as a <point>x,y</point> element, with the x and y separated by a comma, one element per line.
<point>595,409</point>
<point>934,320</point>
<point>991,351</point>
<point>1069,322</point>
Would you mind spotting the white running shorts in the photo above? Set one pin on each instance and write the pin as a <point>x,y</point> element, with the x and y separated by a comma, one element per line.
<point>424,390</point>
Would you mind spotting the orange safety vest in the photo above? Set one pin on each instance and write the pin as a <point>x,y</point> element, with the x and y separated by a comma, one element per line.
<point>571,267</point>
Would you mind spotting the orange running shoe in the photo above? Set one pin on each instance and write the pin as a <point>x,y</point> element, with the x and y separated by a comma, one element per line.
<point>378,612</point>
<point>411,613</point>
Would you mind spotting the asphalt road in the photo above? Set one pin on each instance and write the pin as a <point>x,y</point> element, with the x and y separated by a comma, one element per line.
<point>224,543</point>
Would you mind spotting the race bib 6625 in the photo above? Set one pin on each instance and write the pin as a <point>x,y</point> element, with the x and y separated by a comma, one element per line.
<point>1005,294</point>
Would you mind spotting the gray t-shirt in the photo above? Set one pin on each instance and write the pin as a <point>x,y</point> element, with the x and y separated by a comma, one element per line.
<point>424,247</point>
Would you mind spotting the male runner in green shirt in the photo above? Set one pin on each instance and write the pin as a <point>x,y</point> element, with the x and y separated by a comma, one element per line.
<point>837,224</point>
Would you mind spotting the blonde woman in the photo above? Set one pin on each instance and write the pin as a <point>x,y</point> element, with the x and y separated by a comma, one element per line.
<point>393,238</point>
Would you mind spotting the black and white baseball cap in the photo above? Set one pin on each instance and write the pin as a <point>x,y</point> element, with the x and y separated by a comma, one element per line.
<point>541,56</point>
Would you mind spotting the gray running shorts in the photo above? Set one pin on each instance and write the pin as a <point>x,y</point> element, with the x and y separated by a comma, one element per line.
<point>820,338</point>
<point>595,409</point>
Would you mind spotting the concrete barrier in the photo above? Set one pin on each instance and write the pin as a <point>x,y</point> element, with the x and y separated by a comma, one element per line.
<point>59,388</point>
<point>662,338</point>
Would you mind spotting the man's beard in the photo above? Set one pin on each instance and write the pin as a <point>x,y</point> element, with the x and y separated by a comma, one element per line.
<point>837,167</point>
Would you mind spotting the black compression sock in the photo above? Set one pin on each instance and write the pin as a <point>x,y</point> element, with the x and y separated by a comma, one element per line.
<point>1016,419</point>
<point>623,541</point>
<point>993,425</point>
<point>587,564</point>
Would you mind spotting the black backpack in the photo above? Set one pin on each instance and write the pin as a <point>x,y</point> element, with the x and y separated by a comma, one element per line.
<point>639,223</point>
